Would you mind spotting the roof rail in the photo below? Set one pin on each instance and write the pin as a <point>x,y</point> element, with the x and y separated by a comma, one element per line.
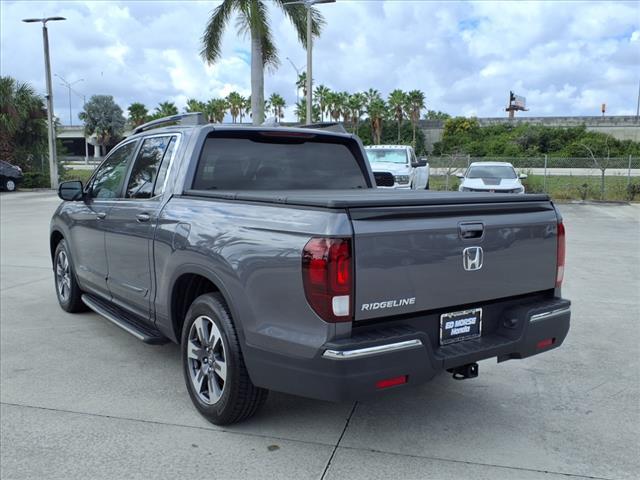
<point>193,118</point>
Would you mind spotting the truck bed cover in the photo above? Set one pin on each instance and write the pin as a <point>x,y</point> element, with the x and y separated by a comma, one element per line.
<point>340,199</point>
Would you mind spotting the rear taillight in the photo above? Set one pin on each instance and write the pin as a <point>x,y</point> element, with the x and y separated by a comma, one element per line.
<point>561,255</point>
<point>327,275</point>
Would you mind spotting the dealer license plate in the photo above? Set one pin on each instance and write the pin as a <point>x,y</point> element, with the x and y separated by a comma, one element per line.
<point>458,326</point>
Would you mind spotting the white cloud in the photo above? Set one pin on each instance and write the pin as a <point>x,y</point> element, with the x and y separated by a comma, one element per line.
<point>566,57</point>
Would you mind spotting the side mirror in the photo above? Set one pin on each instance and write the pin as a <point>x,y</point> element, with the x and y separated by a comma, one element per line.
<point>460,175</point>
<point>71,190</point>
<point>384,179</point>
<point>522,176</point>
<point>421,162</point>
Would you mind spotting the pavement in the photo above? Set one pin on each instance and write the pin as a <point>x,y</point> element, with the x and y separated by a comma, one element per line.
<point>81,398</point>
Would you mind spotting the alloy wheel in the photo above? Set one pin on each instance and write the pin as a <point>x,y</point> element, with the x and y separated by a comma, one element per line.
<point>63,276</point>
<point>207,360</point>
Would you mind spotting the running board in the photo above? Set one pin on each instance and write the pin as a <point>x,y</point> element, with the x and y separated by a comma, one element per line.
<point>125,321</point>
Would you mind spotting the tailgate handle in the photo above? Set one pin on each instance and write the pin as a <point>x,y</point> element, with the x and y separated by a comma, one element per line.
<point>471,230</point>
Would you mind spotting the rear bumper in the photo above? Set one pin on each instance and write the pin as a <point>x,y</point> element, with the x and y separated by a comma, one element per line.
<point>349,369</point>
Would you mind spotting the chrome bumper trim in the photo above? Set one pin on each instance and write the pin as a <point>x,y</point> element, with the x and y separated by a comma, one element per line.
<point>368,351</point>
<point>549,314</point>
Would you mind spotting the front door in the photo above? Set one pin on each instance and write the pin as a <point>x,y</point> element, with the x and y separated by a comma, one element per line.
<point>87,219</point>
<point>131,223</point>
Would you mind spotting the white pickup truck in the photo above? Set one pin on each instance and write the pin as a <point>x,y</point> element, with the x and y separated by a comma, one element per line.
<point>408,171</point>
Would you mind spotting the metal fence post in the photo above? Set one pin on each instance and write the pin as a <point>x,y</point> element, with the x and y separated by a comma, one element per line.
<point>468,160</point>
<point>544,181</point>
<point>629,172</point>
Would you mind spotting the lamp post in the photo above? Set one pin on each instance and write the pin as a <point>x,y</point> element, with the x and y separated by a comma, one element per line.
<point>309,4</point>
<point>69,85</point>
<point>298,73</point>
<point>86,143</point>
<point>53,164</point>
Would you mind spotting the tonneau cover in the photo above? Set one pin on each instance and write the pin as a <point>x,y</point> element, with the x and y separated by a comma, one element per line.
<point>366,198</point>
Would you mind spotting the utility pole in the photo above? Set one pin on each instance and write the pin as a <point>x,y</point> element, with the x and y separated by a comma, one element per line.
<point>53,164</point>
<point>69,85</point>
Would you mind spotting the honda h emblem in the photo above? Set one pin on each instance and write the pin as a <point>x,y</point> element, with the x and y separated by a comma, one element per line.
<point>472,258</point>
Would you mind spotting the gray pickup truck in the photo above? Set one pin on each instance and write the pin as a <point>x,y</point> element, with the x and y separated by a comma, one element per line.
<point>269,255</point>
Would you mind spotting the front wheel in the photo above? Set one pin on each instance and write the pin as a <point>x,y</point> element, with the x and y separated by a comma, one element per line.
<point>213,366</point>
<point>67,288</point>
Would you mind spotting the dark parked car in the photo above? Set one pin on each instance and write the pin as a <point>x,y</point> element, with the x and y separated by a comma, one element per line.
<point>271,258</point>
<point>10,176</point>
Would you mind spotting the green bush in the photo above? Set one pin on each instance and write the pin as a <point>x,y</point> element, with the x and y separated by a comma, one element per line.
<point>35,180</point>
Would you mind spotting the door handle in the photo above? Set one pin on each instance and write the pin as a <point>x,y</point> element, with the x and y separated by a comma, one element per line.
<point>143,217</point>
<point>101,215</point>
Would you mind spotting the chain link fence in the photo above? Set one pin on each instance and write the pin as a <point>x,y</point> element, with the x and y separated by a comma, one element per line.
<point>574,178</point>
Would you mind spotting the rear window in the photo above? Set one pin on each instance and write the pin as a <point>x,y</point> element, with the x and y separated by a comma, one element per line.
<point>276,163</point>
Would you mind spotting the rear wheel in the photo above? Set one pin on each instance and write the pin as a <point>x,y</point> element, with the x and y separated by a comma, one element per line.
<point>213,366</point>
<point>67,289</point>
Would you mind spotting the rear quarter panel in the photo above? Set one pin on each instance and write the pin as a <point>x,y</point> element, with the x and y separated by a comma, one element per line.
<point>253,253</point>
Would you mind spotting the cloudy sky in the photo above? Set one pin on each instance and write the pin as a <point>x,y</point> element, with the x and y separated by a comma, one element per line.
<point>566,58</point>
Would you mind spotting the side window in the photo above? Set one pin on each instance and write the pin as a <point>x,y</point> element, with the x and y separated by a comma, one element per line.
<point>145,169</point>
<point>108,179</point>
<point>164,167</point>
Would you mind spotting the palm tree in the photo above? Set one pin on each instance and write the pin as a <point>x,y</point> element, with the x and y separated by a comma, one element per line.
<point>277,104</point>
<point>165,109</point>
<point>138,114</point>
<point>415,104</point>
<point>236,104</point>
<point>356,104</point>
<point>301,111</point>
<point>216,109</point>
<point>194,105</point>
<point>320,95</point>
<point>397,101</point>
<point>253,19</point>
<point>246,107</point>
<point>301,83</point>
<point>23,125</point>
<point>376,109</point>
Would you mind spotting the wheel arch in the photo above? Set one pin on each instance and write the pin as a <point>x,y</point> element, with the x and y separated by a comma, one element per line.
<point>190,282</point>
<point>54,239</point>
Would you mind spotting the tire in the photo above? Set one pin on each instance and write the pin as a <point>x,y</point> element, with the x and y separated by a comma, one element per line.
<point>427,185</point>
<point>216,377</point>
<point>67,289</point>
<point>9,185</point>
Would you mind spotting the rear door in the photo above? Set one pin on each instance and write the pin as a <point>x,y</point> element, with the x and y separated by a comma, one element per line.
<point>131,223</point>
<point>412,259</point>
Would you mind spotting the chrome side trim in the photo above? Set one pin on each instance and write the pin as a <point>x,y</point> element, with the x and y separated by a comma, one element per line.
<point>368,351</point>
<point>549,314</point>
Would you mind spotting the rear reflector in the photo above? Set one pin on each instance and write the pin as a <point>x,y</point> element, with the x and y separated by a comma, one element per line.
<point>561,255</point>
<point>391,382</point>
<point>547,342</point>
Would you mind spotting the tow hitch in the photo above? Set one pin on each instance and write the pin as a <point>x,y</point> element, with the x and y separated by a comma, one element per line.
<point>470,370</point>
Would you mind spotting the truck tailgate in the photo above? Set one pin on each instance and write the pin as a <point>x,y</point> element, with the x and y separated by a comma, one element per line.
<point>411,258</point>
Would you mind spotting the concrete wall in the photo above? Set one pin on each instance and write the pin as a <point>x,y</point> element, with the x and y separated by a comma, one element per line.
<point>621,127</point>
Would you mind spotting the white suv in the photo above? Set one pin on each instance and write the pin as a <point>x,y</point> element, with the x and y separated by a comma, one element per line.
<point>400,160</point>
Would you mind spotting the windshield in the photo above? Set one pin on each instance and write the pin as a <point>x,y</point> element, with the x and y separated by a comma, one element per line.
<point>389,156</point>
<point>491,171</point>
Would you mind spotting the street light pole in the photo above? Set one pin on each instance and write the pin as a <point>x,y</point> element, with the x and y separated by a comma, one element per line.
<point>53,164</point>
<point>298,73</point>
<point>309,5</point>
<point>69,85</point>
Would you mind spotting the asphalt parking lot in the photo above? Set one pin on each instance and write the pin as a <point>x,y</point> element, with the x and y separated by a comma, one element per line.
<point>81,398</point>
